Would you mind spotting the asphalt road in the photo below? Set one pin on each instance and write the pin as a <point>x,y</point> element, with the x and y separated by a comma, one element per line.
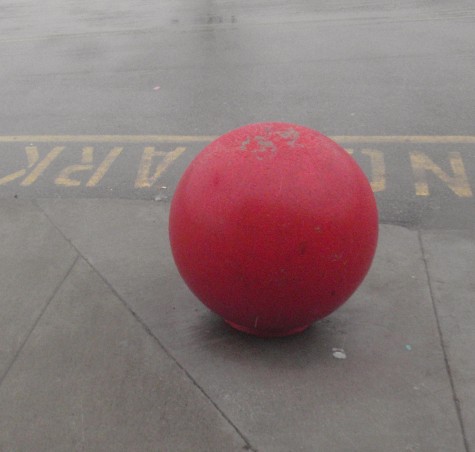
<point>114,98</point>
<point>103,347</point>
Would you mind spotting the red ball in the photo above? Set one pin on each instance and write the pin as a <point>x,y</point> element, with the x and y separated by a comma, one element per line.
<point>273,226</point>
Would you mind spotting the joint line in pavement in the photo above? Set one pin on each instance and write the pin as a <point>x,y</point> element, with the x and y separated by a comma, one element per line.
<point>33,327</point>
<point>442,344</point>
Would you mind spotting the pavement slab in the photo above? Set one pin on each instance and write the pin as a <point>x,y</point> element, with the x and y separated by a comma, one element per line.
<point>34,260</point>
<point>392,391</point>
<point>102,345</point>
<point>451,264</point>
<point>91,378</point>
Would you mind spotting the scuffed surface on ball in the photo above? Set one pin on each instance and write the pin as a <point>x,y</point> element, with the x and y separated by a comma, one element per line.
<point>273,226</point>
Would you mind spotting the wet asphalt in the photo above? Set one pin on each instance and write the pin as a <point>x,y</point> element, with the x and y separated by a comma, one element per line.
<point>201,68</point>
<point>104,104</point>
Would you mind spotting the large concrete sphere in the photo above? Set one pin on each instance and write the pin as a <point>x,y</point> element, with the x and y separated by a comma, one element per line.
<point>273,226</point>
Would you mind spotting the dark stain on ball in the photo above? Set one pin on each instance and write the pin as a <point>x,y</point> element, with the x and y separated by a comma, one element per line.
<point>303,248</point>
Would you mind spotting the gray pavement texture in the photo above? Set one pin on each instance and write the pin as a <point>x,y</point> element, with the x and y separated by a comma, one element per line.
<point>104,348</point>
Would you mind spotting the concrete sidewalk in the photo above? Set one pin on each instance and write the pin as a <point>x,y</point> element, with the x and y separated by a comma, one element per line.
<point>103,348</point>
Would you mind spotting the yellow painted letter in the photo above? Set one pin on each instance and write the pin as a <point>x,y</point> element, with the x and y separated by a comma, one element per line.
<point>457,182</point>
<point>64,178</point>
<point>378,169</point>
<point>41,166</point>
<point>32,156</point>
<point>144,180</point>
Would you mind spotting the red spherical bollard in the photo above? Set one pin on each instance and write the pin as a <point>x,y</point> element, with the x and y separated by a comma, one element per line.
<point>273,226</point>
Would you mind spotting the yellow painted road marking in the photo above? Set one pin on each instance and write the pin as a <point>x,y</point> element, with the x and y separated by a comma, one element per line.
<point>457,182</point>
<point>41,166</point>
<point>143,175</point>
<point>106,139</point>
<point>104,167</point>
<point>64,177</point>
<point>429,139</point>
<point>154,163</point>
<point>378,169</point>
<point>86,165</point>
<point>342,139</point>
<point>32,156</point>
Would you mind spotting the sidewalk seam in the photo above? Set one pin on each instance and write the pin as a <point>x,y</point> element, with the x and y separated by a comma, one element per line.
<point>147,330</point>
<point>442,344</point>
<point>33,327</point>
